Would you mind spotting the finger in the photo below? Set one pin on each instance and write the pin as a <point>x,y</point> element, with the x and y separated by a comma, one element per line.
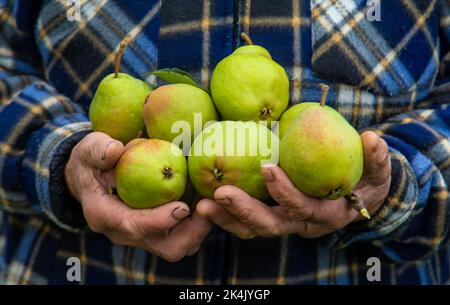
<point>249,210</point>
<point>376,157</point>
<point>223,219</point>
<point>335,214</point>
<point>160,219</point>
<point>280,187</point>
<point>184,239</point>
<point>382,153</point>
<point>106,178</point>
<point>107,213</point>
<point>304,228</point>
<point>99,150</point>
<point>371,145</point>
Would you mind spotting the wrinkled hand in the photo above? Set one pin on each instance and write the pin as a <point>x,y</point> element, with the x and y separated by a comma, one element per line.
<point>166,231</point>
<point>235,211</point>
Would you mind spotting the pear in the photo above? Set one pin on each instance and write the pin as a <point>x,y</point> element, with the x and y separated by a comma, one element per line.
<point>322,153</point>
<point>289,115</point>
<point>151,173</point>
<point>177,103</point>
<point>134,142</point>
<point>249,86</point>
<point>253,50</point>
<point>116,108</point>
<point>231,153</point>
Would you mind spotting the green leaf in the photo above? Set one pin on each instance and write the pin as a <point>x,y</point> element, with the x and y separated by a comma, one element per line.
<point>176,76</point>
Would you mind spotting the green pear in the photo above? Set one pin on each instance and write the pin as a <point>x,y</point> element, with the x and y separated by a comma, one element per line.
<point>151,173</point>
<point>134,142</point>
<point>253,50</point>
<point>180,103</point>
<point>289,115</point>
<point>249,86</point>
<point>116,108</point>
<point>322,153</point>
<point>232,153</point>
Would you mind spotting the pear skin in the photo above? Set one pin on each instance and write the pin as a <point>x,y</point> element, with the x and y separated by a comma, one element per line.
<point>322,153</point>
<point>249,86</point>
<point>151,173</point>
<point>218,158</point>
<point>289,116</point>
<point>174,103</point>
<point>253,50</point>
<point>134,142</point>
<point>116,108</point>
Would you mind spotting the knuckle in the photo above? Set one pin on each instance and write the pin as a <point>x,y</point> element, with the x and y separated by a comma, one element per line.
<point>193,251</point>
<point>244,214</point>
<point>286,194</point>
<point>272,230</point>
<point>172,257</point>
<point>96,227</point>
<point>384,159</point>
<point>95,223</point>
<point>300,213</point>
<point>194,242</point>
<point>245,235</point>
<point>307,232</point>
<point>280,193</point>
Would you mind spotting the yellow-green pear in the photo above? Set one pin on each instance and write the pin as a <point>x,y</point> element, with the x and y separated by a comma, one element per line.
<point>289,115</point>
<point>151,173</point>
<point>232,153</point>
<point>322,153</point>
<point>249,86</point>
<point>116,108</point>
<point>175,110</point>
<point>253,50</point>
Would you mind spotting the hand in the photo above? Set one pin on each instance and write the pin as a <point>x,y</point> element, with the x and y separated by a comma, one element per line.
<point>166,231</point>
<point>235,211</point>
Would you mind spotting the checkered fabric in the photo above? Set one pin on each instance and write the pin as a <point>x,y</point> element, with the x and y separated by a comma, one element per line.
<point>391,76</point>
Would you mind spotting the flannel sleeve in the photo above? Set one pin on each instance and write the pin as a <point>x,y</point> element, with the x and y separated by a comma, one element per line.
<point>38,126</point>
<point>414,221</point>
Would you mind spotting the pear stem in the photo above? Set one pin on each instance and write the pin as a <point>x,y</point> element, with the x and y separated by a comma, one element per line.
<point>119,59</point>
<point>325,90</point>
<point>246,39</point>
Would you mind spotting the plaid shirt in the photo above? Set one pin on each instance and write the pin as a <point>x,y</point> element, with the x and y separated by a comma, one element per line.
<point>390,76</point>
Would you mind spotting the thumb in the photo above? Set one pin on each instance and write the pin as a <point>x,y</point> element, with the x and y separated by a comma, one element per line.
<point>99,150</point>
<point>280,187</point>
<point>298,205</point>
<point>376,157</point>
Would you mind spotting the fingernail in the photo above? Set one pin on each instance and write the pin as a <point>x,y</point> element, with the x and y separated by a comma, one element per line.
<point>223,201</point>
<point>106,148</point>
<point>180,213</point>
<point>266,171</point>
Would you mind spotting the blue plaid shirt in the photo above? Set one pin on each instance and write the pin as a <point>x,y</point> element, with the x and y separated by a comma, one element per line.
<point>391,76</point>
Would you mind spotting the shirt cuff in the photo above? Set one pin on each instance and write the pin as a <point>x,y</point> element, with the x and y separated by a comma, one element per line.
<point>45,158</point>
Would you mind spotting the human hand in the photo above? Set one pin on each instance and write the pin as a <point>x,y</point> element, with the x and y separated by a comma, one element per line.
<point>165,231</point>
<point>235,211</point>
